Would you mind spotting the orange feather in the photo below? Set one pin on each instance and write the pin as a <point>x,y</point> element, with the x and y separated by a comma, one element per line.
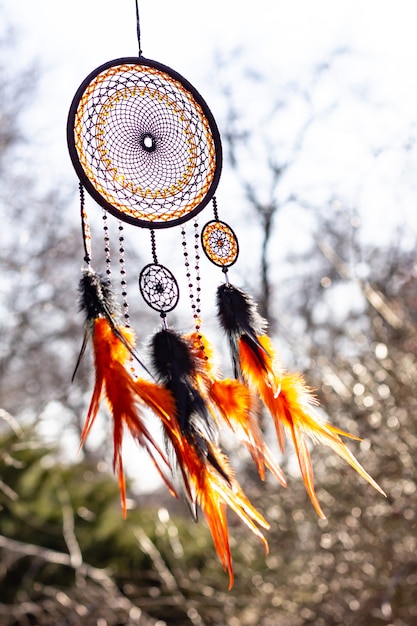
<point>235,404</point>
<point>291,404</point>
<point>213,493</point>
<point>122,392</point>
<point>208,478</point>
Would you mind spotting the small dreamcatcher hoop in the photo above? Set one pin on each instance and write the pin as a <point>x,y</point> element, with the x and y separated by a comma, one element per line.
<point>144,143</point>
<point>158,287</point>
<point>220,243</point>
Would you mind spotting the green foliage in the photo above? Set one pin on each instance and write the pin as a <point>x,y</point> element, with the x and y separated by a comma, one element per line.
<point>71,516</point>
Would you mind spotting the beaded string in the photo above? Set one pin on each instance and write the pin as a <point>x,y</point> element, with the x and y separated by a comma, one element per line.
<point>195,300</point>
<point>197,314</point>
<point>162,314</point>
<point>216,214</point>
<point>123,282</point>
<point>107,244</point>
<point>153,247</point>
<point>138,27</point>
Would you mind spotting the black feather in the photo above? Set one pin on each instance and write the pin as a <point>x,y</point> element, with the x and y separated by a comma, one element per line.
<point>171,356</point>
<point>97,299</point>
<point>175,367</point>
<point>238,315</point>
<point>238,311</point>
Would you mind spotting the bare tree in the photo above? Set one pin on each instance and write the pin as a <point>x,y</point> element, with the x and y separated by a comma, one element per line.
<point>347,311</point>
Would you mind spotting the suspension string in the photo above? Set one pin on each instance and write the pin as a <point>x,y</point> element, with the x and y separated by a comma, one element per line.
<point>138,27</point>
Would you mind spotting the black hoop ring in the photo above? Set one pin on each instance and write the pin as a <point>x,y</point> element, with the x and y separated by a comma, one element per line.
<point>144,143</point>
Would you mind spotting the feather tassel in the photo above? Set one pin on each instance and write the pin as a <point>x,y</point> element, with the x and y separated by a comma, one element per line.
<point>98,300</point>
<point>233,402</point>
<point>290,402</point>
<point>238,316</point>
<point>207,476</point>
<point>113,345</point>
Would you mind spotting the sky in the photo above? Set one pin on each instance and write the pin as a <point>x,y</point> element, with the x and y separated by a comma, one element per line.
<point>284,40</point>
<point>357,150</point>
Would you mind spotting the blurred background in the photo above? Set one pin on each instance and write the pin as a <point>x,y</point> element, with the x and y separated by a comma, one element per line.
<point>316,105</point>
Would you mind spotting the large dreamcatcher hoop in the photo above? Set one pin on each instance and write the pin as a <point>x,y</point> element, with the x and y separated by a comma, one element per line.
<point>144,143</point>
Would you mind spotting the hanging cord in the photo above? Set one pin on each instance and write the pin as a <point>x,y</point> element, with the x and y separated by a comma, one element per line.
<point>85,227</point>
<point>138,27</point>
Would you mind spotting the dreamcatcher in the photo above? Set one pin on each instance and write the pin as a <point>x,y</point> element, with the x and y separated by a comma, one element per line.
<point>146,147</point>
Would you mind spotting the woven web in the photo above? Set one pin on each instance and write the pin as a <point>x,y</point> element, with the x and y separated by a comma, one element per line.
<point>159,287</point>
<point>144,143</point>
